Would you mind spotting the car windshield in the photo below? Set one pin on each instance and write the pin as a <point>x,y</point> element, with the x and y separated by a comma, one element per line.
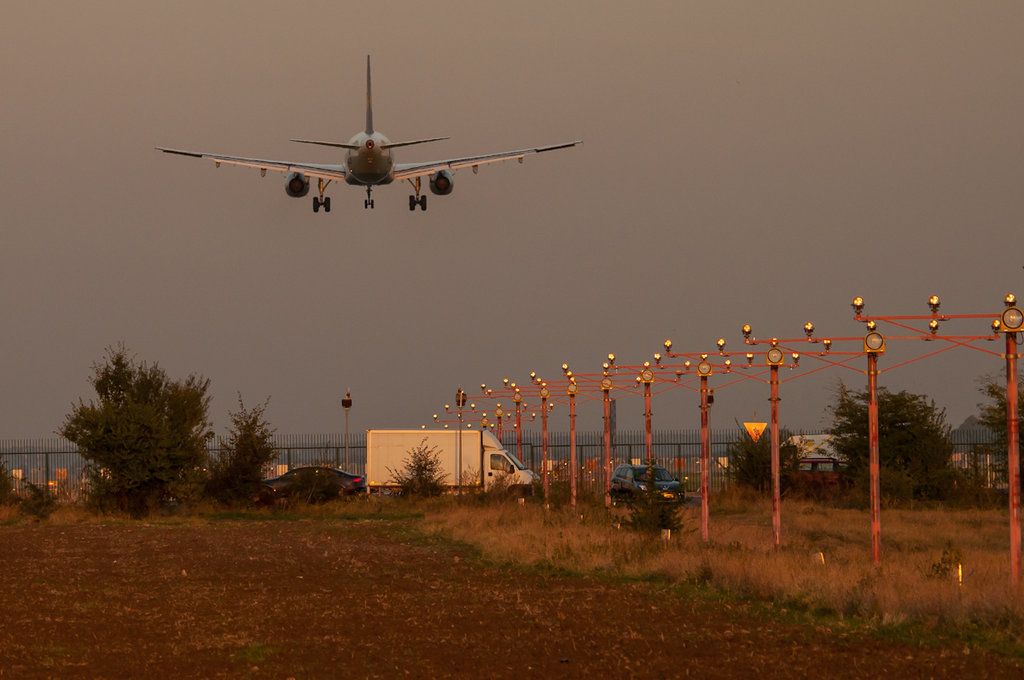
<point>660,474</point>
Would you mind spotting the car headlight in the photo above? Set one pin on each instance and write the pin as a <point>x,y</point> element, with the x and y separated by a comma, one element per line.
<point>641,486</point>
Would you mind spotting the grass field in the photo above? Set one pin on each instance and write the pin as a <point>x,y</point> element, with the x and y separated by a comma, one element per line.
<point>948,569</point>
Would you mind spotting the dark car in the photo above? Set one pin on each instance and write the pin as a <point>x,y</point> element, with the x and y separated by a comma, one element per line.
<point>314,479</point>
<point>629,481</point>
<point>820,476</point>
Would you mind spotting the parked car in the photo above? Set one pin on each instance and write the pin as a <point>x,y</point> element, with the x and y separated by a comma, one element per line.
<point>819,476</point>
<point>629,481</point>
<point>315,478</point>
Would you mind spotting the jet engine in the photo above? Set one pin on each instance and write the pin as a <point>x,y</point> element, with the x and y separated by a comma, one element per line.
<point>296,185</point>
<point>442,183</point>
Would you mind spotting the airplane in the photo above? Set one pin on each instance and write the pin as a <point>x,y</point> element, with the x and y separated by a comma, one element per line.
<point>369,162</point>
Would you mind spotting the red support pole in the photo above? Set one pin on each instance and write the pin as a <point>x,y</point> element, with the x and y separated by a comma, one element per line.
<point>648,437</point>
<point>607,449</point>
<point>776,492</point>
<point>499,430</point>
<point>573,463</point>
<point>873,462</point>
<point>705,458</point>
<point>1013,457</point>
<point>519,431</point>
<point>545,477</point>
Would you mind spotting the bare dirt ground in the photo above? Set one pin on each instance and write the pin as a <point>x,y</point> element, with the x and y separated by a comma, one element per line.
<point>367,598</point>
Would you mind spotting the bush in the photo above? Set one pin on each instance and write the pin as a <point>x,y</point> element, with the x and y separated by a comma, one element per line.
<point>422,474</point>
<point>237,475</point>
<point>914,443</point>
<point>6,485</point>
<point>314,485</point>
<point>649,512</point>
<point>751,462</point>
<point>144,437</point>
<point>39,503</point>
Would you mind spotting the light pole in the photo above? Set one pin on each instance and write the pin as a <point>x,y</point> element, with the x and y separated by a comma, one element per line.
<point>571,390</point>
<point>460,403</point>
<point>647,377</point>
<point>517,398</point>
<point>545,477</point>
<point>704,370</point>
<point>1011,322</point>
<point>606,389</point>
<point>346,403</point>
<point>874,345</point>
<point>775,357</point>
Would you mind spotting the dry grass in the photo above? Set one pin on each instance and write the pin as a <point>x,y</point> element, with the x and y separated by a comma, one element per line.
<point>824,563</point>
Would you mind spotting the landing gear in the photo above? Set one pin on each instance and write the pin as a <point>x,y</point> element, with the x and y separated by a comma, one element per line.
<point>320,200</point>
<point>368,203</point>
<point>416,199</point>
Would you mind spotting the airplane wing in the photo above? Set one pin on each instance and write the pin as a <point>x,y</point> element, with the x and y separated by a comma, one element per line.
<point>412,170</point>
<point>318,170</point>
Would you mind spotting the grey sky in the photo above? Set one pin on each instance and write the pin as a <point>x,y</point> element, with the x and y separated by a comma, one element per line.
<point>743,162</point>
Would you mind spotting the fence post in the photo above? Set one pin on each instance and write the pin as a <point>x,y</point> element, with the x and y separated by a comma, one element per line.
<point>46,482</point>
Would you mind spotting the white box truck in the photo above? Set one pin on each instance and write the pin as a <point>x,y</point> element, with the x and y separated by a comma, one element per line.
<point>483,460</point>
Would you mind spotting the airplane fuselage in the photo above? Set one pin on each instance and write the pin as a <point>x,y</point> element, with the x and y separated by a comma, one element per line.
<point>371,164</point>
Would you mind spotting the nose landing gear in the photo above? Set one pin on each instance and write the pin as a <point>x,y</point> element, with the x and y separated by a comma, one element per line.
<point>368,203</point>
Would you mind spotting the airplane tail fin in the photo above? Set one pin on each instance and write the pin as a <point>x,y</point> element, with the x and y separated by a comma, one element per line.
<point>369,101</point>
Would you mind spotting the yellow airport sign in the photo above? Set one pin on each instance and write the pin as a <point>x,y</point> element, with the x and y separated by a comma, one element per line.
<point>755,430</point>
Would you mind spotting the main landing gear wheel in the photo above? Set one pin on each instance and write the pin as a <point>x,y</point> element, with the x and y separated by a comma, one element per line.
<point>316,204</point>
<point>416,199</point>
<point>325,202</point>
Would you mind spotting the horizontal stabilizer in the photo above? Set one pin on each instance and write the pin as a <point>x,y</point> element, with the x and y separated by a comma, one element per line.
<point>337,145</point>
<point>392,145</point>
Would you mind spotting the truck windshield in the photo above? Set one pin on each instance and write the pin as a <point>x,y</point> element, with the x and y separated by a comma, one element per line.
<point>515,461</point>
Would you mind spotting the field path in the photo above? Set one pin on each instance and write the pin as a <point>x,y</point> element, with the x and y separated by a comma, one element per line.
<point>365,598</point>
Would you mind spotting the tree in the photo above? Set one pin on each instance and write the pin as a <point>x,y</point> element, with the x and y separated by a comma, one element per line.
<point>751,462</point>
<point>237,474</point>
<point>144,436</point>
<point>992,412</point>
<point>648,510</point>
<point>913,437</point>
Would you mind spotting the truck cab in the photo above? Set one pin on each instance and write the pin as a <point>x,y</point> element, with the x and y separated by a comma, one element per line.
<point>502,467</point>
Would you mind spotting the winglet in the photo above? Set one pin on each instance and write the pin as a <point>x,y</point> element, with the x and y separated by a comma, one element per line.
<point>369,101</point>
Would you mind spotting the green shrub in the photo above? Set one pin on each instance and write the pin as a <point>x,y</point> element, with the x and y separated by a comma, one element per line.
<point>6,485</point>
<point>143,437</point>
<point>751,462</point>
<point>236,476</point>
<point>422,474</point>
<point>39,503</point>
<point>915,449</point>
<point>648,510</point>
